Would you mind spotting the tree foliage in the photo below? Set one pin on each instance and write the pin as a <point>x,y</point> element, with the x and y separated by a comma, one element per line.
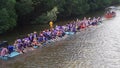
<point>46,17</point>
<point>24,7</point>
<point>8,16</point>
<point>13,12</point>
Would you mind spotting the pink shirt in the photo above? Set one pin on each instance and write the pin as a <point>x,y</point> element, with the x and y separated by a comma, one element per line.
<point>4,51</point>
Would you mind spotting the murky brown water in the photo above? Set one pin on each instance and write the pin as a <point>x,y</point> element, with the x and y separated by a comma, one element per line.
<point>95,47</point>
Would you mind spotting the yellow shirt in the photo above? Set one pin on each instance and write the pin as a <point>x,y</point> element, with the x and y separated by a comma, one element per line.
<point>51,24</point>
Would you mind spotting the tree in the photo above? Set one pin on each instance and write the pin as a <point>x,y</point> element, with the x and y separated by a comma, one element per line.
<point>46,17</point>
<point>7,15</point>
<point>24,7</point>
<point>52,15</point>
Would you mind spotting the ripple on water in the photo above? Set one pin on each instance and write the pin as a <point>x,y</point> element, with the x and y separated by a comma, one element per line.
<point>95,47</point>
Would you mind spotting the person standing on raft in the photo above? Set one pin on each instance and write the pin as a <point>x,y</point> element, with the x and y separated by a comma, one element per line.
<point>51,24</point>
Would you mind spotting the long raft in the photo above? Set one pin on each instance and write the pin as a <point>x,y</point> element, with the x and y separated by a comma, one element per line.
<point>59,33</point>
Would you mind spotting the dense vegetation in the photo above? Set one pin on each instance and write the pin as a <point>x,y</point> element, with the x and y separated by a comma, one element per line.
<point>15,12</point>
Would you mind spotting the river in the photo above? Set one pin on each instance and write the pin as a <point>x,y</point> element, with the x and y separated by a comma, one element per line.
<point>95,47</point>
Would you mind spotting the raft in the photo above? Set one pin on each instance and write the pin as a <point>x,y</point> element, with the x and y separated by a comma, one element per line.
<point>35,47</point>
<point>110,15</point>
<point>3,44</point>
<point>69,33</point>
<point>11,55</point>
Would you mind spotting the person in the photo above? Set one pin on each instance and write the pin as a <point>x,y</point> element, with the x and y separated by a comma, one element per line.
<point>108,14</point>
<point>82,25</point>
<point>51,24</point>
<point>35,42</point>
<point>4,52</point>
<point>113,13</point>
<point>19,46</point>
<point>35,34</point>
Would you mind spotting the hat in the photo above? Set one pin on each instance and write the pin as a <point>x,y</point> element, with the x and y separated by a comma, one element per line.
<point>35,32</point>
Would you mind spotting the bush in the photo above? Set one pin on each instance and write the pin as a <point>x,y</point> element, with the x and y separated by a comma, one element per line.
<point>46,17</point>
<point>7,15</point>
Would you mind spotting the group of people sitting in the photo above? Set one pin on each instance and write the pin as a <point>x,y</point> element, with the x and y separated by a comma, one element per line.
<point>110,14</point>
<point>35,39</point>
